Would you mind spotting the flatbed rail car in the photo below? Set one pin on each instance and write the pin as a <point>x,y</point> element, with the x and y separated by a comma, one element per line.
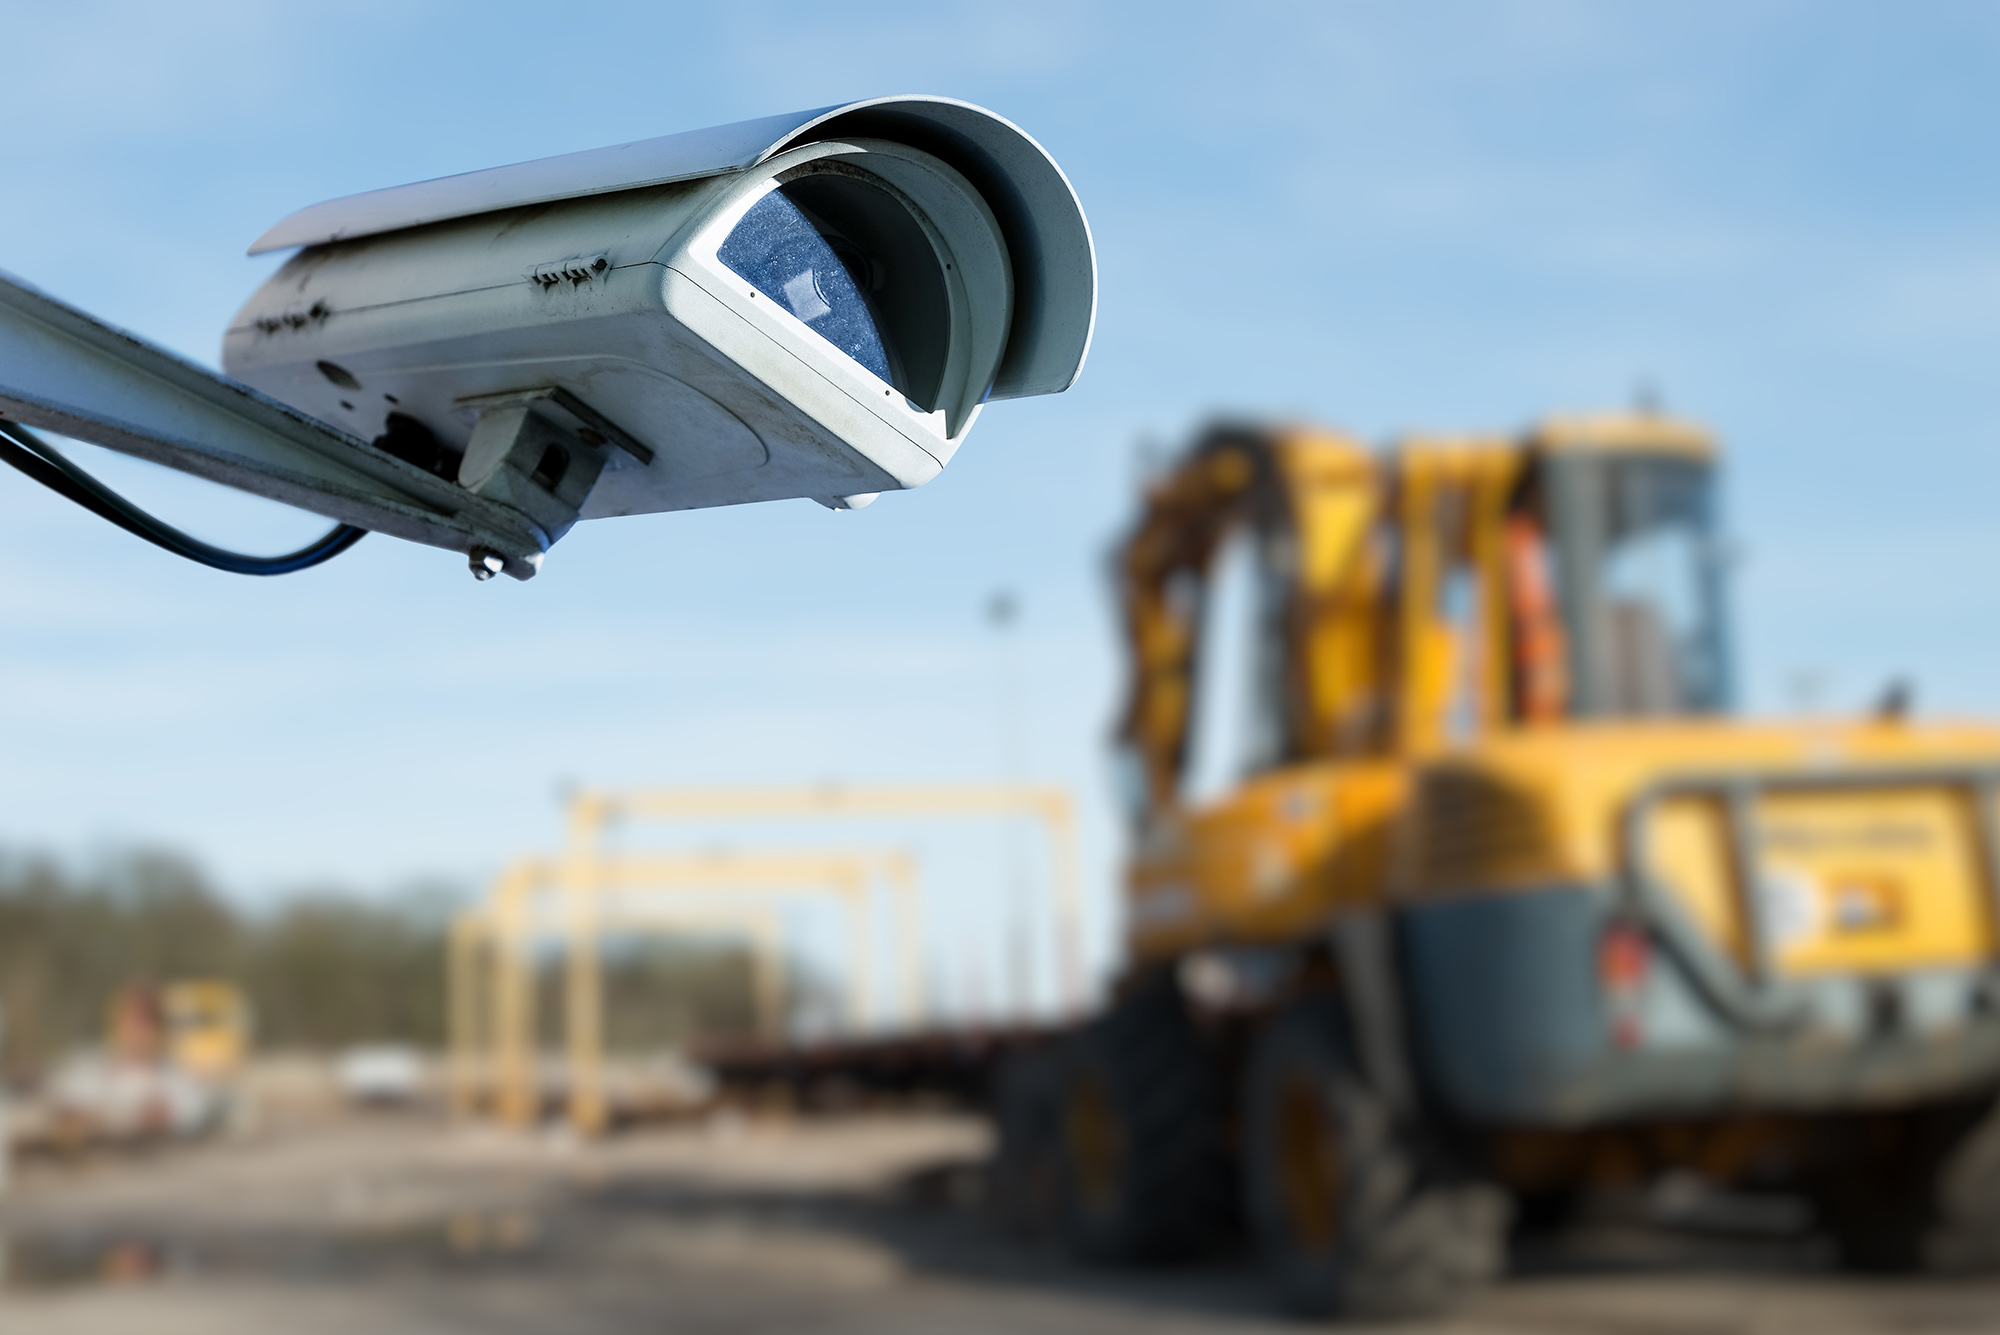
<point>955,1067</point>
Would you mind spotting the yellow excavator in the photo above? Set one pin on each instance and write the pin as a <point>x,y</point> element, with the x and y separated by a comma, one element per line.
<point>1457,892</point>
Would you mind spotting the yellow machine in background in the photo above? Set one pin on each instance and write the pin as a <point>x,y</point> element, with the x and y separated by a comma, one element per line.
<point>200,1027</point>
<point>584,893</point>
<point>208,1026</point>
<point>1454,883</point>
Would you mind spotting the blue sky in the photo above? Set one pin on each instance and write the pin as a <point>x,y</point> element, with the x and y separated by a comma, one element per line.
<point>1379,215</point>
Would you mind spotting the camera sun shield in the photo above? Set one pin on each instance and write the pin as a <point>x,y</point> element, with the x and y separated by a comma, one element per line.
<point>813,306</point>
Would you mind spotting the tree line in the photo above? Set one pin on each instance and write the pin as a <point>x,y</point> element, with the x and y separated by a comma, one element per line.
<point>322,969</point>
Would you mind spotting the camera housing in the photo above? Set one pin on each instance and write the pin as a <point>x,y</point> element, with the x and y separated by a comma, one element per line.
<point>816,305</point>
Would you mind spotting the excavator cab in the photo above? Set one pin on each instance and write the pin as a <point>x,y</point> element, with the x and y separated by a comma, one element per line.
<point>1614,575</point>
<point>1293,597</point>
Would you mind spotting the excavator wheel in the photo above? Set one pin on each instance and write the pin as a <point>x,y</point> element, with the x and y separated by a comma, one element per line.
<point>1348,1217</point>
<point>1027,1174</point>
<point>1145,1169</point>
<point>1965,1236</point>
<point>1912,1191</point>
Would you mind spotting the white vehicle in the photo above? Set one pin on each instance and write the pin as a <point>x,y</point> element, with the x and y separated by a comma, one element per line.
<point>381,1074</point>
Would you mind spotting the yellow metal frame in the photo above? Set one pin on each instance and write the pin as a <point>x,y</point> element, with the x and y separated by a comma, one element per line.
<point>490,1066</point>
<point>593,810</point>
<point>506,926</point>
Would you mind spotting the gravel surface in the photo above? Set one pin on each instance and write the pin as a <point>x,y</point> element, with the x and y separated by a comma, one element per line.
<point>393,1224</point>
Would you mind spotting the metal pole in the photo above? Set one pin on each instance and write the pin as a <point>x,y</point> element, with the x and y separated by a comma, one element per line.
<point>514,1001</point>
<point>861,1007</point>
<point>909,936</point>
<point>583,1001</point>
<point>584,998</point>
<point>767,977</point>
<point>63,370</point>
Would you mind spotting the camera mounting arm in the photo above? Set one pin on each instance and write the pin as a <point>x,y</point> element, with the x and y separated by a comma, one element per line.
<point>64,371</point>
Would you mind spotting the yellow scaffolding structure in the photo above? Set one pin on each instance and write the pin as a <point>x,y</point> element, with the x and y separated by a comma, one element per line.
<point>478,971</point>
<point>507,924</point>
<point>591,811</point>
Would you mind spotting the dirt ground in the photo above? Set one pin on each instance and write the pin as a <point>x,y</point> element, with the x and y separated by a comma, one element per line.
<point>392,1223</point>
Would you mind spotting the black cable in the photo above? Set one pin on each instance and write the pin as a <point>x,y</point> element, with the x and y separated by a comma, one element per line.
<point>32,455</point>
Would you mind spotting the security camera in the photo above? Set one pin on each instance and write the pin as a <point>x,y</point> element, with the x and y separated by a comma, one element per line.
<point>814,305</point>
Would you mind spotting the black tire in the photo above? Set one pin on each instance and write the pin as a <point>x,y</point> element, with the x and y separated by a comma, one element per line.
<point>1550,1210</point>
<point>1351,1217</point>
<point>1146,1172</point>
<point>1025,1188</point>
<point>1912,1191</point>
<point>1965,1231</point>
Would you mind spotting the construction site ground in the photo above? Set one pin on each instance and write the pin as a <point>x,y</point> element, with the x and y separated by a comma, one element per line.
<point>393,1222</point>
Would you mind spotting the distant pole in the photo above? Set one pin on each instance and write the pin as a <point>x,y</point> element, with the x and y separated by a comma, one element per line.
<point>1003,610</point>
<point>1647,401</point>
<point>975,1014</point>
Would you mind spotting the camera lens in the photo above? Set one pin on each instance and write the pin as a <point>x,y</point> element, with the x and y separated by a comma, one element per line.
<point>777,250</point>
<point>843,253</point>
